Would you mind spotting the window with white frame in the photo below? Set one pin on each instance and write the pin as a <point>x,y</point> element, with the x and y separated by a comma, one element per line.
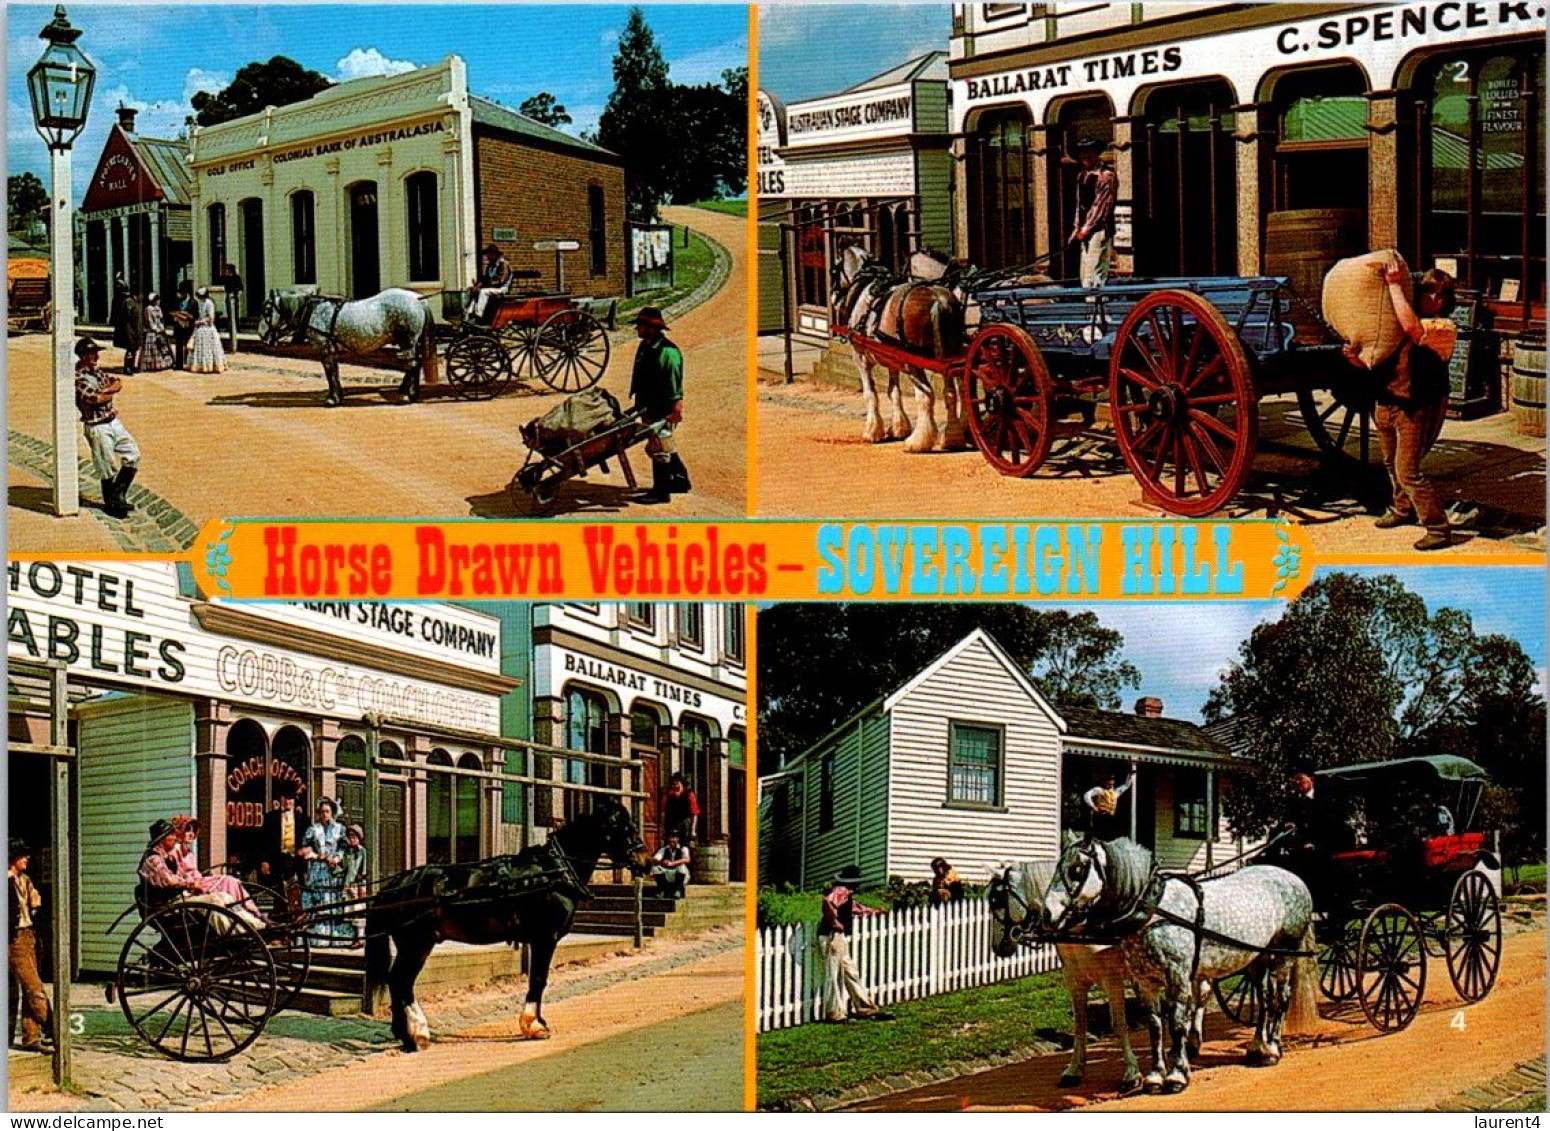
<point>974,771</point>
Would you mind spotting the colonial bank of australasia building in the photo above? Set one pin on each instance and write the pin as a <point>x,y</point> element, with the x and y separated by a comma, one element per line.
<point>399,181</point>
<point>432,724</point>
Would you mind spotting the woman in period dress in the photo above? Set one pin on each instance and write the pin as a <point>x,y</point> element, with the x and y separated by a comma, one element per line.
<point>155,351</point>
<point>208,356</point>
<point>322,848</point>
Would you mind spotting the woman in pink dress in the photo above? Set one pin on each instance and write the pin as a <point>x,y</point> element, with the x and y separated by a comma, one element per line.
<point>187,829</point>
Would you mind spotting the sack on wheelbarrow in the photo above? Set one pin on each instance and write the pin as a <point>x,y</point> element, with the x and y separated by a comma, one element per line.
<point>571,422</point>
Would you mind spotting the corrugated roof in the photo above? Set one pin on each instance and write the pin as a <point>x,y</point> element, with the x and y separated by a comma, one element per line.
<point>1138,730</point>
<point>487,113</point>
<point>167,162</point>
<point>931,65</point>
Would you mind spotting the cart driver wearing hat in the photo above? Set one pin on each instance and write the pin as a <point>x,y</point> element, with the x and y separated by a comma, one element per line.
<point>27,995</point>
<point>1097,187</point>
<point>106,435</point>
<point>657,388</point>
<point>494,279</point>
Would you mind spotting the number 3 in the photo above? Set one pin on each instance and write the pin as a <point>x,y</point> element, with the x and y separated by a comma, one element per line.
<point>77,1024</point>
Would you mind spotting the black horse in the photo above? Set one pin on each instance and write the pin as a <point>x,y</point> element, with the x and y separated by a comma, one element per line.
<point>529,898</point>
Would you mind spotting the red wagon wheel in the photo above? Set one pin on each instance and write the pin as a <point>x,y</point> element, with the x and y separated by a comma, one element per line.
<point>572,351</point>
<point>1185,411</point>
<point>1007,394</point>
<point>521,342</point>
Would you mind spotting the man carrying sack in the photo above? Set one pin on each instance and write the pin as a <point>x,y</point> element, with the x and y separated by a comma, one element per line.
<point>657,388</point>
<point>27,993</point>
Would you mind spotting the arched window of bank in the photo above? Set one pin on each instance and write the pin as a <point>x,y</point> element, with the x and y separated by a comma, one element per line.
<point>423,227</point>
<point>1486,214</point>
<point>364,248</point>
<point>251,265</point>
<point>1185,183</point>
<point>1001,232</point>
<point>215,222</point>
<point>304,250</point>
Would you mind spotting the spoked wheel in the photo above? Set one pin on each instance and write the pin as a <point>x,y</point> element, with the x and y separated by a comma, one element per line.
<point>521,341</point>
<point>1007,394</point>
<point>1185,410</point>
<point>289,946</point>
<point>572,351</point>
<point>532,482</point>
<point>1337,969</point>
<point>1340,421</point>
<point>1391,968</point>
<point>1474,936</point>
<point>196,982</point>
<point>1239,997</point>
<point>476,366</point>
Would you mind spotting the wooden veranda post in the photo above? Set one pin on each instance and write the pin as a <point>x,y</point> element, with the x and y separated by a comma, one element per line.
<point>63,911</point>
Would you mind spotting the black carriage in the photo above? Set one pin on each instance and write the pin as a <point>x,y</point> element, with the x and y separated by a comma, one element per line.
<point>1411,877</point>
<point>530,335</point>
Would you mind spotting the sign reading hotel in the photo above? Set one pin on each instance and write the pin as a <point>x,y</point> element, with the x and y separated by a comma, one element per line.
<point>1383,38</point>
<point>127,625</point>
<point>885,112</point>
<point>772,136</point>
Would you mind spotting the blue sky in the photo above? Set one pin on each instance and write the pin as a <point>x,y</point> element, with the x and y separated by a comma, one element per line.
<point>155,57</point>
<point>806,50</point>
<point>1180,648</point>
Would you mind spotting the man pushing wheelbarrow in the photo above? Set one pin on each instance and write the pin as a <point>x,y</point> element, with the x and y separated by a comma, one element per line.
<point>657,388</point>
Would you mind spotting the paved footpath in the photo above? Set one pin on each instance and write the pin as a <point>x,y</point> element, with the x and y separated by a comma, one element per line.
<point>257,440</point>
<point>355,1060</point>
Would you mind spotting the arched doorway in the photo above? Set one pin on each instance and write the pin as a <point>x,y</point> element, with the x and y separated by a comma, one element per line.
<point>252,266</point>
<point>391,768</point>
<point>453,808</point>
<point>1320,158</point>
<point>1185,181</point>
<point>365,262</point>
<point>646,748</point>
<point>290,757</point>
<point>698,773</point>
<point>438,808</point>
<point>259,771</point>
<point>1074,119</point>
<point>1001,232</point>
<point>466,819</point>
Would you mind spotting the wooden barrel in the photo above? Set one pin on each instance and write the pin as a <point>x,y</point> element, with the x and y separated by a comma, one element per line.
<point>1528,385</point>
<point>1304,243</point>
<point>708,863</point>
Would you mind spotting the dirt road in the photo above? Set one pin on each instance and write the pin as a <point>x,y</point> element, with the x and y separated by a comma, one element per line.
<point>256,440</point>
<point>489,1067</point>
<point>813,463</point>
<point>1345,1066</point>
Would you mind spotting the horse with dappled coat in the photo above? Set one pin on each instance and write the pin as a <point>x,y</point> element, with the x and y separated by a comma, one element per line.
<point>1178,935</point>
<point>338,326</point>
<point>528,898</point>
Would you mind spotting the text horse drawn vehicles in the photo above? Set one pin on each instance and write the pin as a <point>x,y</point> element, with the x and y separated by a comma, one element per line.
<point>1406,875</point>
<point>199,980</point>
<point>1182,363</point>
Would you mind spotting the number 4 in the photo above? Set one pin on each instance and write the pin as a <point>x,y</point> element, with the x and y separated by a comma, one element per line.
<point>1458,1021</point>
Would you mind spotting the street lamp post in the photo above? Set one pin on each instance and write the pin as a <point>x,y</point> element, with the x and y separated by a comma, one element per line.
<point>60,86</point>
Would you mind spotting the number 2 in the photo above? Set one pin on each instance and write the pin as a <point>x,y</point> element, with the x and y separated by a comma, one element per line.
<point>1460,70</point>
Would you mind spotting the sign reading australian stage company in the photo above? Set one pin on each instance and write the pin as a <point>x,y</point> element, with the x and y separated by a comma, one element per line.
<point>876,113</point>
<point>125,624</point>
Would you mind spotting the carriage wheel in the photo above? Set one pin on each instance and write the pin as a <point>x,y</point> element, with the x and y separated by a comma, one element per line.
<point>288,946</point>
<point>1238,995</point>
<point>196,982</point>
<point>1007,393</point>
<point>1343,426</point>
<point>1391,968</point>
<point>572,351</point>
<point>476,365</point>
<point>1337,969</point>
<point>1474,936</point>
<point>1182,397</point>
<point>521,341</point>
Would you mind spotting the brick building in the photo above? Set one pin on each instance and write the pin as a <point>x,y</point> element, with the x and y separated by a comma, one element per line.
<point>398,181</point>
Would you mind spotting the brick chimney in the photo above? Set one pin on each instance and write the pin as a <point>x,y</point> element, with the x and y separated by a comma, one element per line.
<point>1149,707</point>
<point>126,118</point>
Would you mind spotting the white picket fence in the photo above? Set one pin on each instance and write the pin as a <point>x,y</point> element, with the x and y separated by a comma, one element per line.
<point>902,955</point>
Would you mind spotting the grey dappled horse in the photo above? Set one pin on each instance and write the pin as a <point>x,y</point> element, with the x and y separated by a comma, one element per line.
<point>919,315</point>
<point>340,326</point>
<point>1174,934</point>
<point>1016,899</point>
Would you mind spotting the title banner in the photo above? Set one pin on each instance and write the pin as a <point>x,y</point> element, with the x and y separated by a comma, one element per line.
<point>752,561</point>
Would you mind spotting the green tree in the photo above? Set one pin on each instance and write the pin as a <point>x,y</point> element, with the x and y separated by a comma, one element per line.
<point>819,664</point>
<point>1358,670</point>
<point>631,124</point>
<point>25,197</point>
<point>279,82</point>
<point>543,108</point>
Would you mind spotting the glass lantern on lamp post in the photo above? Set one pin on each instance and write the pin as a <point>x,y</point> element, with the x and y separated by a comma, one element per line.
<point>60,87</point>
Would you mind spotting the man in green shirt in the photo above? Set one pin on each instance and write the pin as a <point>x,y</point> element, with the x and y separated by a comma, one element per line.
<point>657,388</point>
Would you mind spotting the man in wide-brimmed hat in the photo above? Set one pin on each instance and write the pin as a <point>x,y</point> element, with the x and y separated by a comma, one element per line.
<point>28,997</point>
<point>106,436</point>
<point>843,994</point>
<point>494,279</point>
<point>657,388</point>
<point>1097,187</point>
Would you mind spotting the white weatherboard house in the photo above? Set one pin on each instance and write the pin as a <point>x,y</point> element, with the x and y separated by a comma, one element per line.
<point>969,761</point>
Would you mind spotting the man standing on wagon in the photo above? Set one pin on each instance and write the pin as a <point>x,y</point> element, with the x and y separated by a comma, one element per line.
<point>657,388</point>
<point>1097,187</point>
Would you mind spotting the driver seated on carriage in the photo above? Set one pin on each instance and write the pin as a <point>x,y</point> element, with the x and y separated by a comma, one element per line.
<point>164,879</point>
<point>494,279</point>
